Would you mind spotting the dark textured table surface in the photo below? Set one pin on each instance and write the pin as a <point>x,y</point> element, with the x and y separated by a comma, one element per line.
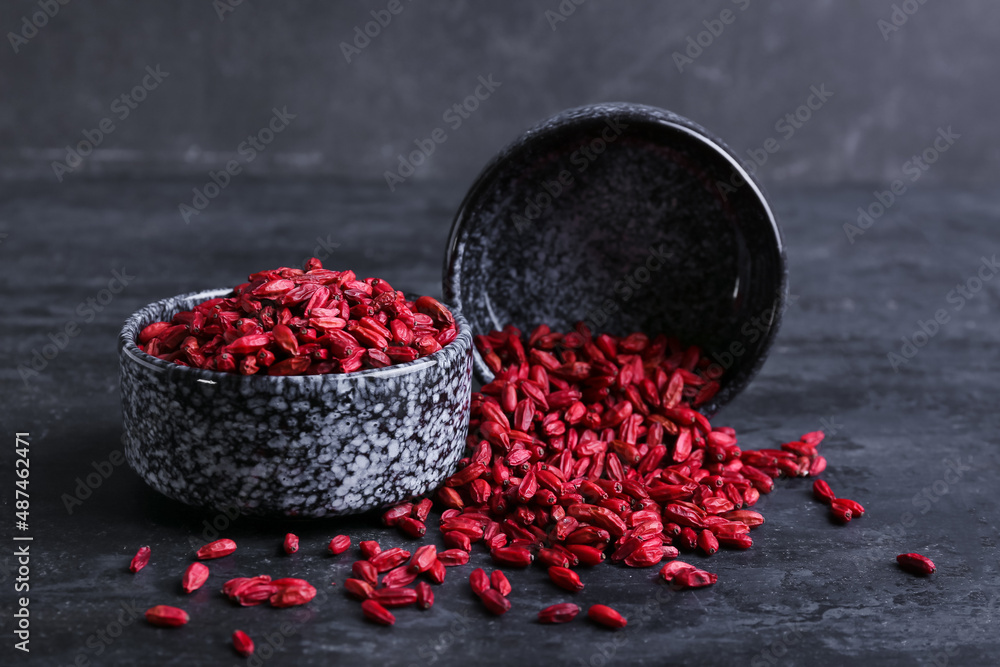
<point>917,445</point>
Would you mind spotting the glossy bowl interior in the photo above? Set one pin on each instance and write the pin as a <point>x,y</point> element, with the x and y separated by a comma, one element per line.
<point>629,218</point>
<point>303,446</point>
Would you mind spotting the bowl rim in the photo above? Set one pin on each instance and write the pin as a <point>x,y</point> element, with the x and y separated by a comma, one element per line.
<point>521,145</point>
<point>129,349</point>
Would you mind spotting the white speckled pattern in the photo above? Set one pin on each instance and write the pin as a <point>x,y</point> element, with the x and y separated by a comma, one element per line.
<point>303,446</point>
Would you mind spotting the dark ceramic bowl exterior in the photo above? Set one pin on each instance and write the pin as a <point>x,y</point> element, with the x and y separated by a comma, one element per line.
<point>300,446</point>
<point>629,218</point>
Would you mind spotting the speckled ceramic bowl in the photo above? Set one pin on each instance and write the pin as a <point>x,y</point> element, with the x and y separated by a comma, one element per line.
<point>629,218</point>
<point>302,446</point>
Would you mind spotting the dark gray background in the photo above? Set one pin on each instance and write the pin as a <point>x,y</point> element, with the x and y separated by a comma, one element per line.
<point>889,95</point>
<point>917,445</point>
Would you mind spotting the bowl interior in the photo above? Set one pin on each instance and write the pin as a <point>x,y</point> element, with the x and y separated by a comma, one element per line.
<point>628,218</point>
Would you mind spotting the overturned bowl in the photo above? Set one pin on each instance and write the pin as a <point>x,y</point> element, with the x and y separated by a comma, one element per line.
<point>300,446</point>
<point>628,218</point>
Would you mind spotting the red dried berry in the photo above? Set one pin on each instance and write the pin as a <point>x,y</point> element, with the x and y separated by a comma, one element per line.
<point>194,577</point>
<point>423,558</point>
<point>856,508</point>
<point>694,579</point>
<point>822,492</point>
<point>140,559</point>
<point>400,576</point>
<point>216,549</point>
<point>498,580</point>
<point>669,571</point>
<point>495,602</point>
<point>425,595</point>
<point>565,578</point>
<point>394,597</point>
<point>558,613</point>
<point>606,616</point>
<point>358,588</point>
<point>389,559</point>
<point>339,544</point>
<point>453,557</point>
<point>437,572</point>
<point>291,593</point>
<point>364,570</point>
<point>369,548</point>
<point>242,643</point>
<point>166,616</point>
<point>479,581</point>
<point>412,527</point>
<point>376,613</point>
<point>840,512</point>
<point>916,563</point>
